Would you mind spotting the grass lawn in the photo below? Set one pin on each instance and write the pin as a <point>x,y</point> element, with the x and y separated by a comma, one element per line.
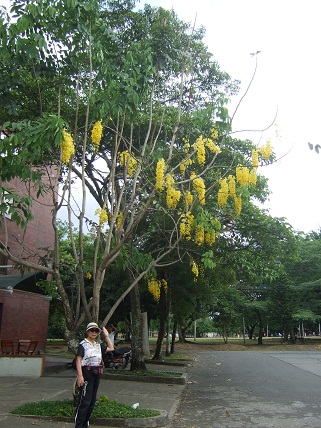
<point>104,408</point>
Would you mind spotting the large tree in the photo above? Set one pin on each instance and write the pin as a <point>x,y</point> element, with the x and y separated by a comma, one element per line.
<point>130,105</point>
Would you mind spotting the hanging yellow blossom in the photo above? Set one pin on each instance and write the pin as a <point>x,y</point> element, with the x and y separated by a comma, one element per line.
<point>154,287</point>
<point>184,164</point>
<point>231,185</point>
<point>186,225</point>
<point>214,134</point>
<point>67,147</point>
<point>96,134</point>
<point>214,148</point>
<point>119,220</point>
<point>242,175</point>
<point>128,160</point>
<point>200,150</point>
<point>252,177</point>
<point>169,180</point>
<point>88,275</point>
<point>103,216</point>
<point>266,150</point>
<point>210,237</point>
<point>222,194</point>
<point>186,145</point>
<point>238,204</point>
<point>199,187</point>
<point>255,158</point>
<point>194,268</point>
<point>199,235</point>
<point>160,172</point>
<point>172,197</point>
<point>189,198</point>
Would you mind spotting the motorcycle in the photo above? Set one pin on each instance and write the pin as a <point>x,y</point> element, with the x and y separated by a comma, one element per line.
<point>118,359</point>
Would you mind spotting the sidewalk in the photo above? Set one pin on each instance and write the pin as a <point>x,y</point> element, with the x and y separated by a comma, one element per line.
<point>55,385</point>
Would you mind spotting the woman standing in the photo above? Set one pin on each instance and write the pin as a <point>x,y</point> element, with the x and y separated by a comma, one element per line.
<point>89,367</point>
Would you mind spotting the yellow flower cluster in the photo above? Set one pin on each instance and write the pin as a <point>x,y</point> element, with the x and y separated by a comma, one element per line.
<point>160,172</point>
<point>119,220</point>
<point>189,198</point>
<point>245,176</point>
<point>228,188</point>
<point>222,194</point>
<point>200,150</point>
<point>242,175</point>
<point>183,165</point>
<point>199,187</point>
<point>172,195</point>
<point>67,147</point>
<point>210,237</point>
<point>194,268</point>
<point>214,134</point>
<point>96,134</point>
<point>103,216</point>
<point>238,204</point>
<point>154,287</point>
<point>186,145</point>
<point>128,159</point>
<point>88,275</point>
<point>186,225</point>
<point>253,177</point>
<point>214,148</point>
<point>266,150</point>
<point>199,235</point>
<point>231,185</point>
<point>255,158</point>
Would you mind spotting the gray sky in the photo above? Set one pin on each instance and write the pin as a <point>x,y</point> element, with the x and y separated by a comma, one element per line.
<point>288,34</point>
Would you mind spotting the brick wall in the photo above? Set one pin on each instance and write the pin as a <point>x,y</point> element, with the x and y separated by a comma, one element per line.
<point>38,236</point>
<point>24,316</point>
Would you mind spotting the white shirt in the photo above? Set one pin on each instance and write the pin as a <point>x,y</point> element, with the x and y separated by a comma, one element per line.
<point>91,354</point>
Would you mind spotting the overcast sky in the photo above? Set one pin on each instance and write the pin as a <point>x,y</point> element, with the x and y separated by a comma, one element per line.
<point>288,34</point>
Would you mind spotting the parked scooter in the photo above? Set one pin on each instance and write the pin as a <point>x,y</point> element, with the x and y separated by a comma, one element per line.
<point>118,359</point>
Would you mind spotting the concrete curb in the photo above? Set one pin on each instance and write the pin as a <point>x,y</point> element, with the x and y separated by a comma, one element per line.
<point>153,422</point>
<point>171,363</point>
<point>170,380</point>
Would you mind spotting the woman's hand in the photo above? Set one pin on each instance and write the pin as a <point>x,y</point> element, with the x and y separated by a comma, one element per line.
<point>105,331</point>
<point>80,380</point>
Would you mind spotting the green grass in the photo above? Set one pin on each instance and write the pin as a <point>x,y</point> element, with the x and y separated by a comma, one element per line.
<point>104,408</point>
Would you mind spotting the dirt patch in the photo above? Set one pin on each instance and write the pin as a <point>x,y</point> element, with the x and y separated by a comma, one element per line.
<point>252,346</point>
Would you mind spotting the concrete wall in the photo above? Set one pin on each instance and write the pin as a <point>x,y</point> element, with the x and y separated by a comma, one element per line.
<point>22,366</point>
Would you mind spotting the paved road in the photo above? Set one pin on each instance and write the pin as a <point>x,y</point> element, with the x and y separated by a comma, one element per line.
<point>252,389</point>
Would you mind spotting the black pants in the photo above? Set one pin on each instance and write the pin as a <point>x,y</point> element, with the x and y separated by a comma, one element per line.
<point>87,398</point>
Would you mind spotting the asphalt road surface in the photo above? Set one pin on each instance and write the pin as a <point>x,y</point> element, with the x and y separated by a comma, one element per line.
<point>252,389</point>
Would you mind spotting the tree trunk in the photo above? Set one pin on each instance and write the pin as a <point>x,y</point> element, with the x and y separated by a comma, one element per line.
<point>261,329</point>
<point>173,337</point>
<point>168,322</point>
<point>181,334</point>
<point>137,362</point>
<point>71,339</point>
<point>224,332</point>
<point>162,324</point>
